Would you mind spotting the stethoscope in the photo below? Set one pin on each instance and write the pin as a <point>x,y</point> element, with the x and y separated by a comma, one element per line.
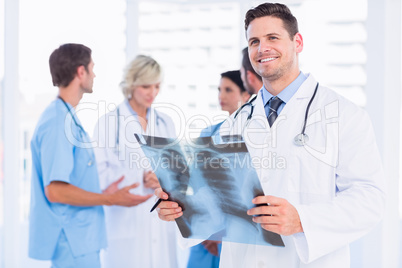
<point>117,148</point>
<point>77,124</point>
<point>302,138</point>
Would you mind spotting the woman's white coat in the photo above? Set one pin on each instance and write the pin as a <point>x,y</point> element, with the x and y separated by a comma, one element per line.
<point>136,237</point>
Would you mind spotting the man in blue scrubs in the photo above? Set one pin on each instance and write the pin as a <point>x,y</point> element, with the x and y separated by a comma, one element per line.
<point>67,223</point>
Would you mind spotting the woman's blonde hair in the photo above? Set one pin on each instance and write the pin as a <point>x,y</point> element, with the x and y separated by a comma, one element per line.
<point>143,70</point>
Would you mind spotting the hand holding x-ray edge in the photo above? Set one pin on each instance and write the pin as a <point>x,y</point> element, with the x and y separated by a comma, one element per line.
<point>167,210</point>
<point>279,216</point>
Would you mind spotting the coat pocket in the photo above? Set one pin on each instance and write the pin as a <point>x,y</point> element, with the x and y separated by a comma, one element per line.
<point>311,171</point>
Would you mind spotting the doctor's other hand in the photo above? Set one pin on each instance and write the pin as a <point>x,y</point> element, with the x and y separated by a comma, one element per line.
<point>150,180</point>
<point>167,210</point>
<point>113,187</point>
<point>276,215</point>
<point>122,197</point>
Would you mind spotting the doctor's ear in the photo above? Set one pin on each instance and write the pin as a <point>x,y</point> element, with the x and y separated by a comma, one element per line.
<point>130,94</point>
<point>245,96</point>
<point>81,71</point>
<point>251,78</point>
<point>298,39</point>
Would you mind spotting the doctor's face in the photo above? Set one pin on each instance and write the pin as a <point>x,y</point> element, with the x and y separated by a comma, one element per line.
<point>88,78</point>
<point>273,53</point>
<point>144,95</point>
<point>230,95</point>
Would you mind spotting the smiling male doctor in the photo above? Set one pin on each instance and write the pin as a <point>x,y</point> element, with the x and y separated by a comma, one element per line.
<point>323,194</point>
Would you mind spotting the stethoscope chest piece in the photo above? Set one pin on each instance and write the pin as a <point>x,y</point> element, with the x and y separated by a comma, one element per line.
<point>301,139</point>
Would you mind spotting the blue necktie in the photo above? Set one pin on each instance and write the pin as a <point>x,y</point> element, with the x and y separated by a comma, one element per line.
<point>273,105</point>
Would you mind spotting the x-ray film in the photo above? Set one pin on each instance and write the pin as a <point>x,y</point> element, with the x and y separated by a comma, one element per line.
<point>213,183</point>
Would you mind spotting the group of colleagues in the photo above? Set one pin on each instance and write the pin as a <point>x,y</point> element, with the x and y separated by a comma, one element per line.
<point>330,193</point>
<point>129,225</point>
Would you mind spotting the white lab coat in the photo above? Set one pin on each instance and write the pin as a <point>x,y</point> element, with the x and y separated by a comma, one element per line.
<point>136,237</point>
<point>335,182</point>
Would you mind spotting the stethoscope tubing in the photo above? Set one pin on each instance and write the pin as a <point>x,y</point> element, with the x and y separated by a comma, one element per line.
<point>302,134</point>
<point>250,102</point>
<point>69,111</point>
<point>158,118</point>
<point>308,109</point>
<point>82,131</point>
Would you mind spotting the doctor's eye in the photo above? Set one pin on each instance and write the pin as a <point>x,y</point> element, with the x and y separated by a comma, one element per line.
<point>253,42</point>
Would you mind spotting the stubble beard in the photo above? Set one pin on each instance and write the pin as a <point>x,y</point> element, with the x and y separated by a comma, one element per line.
<point>278,73</point>
<point>88,88</point>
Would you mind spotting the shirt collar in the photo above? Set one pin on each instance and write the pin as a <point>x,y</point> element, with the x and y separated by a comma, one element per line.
<point>287,93</point>
<point>70,110</point>
<point>134,112</point>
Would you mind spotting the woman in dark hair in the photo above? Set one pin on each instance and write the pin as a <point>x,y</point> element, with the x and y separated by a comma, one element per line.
<point>232,95</point>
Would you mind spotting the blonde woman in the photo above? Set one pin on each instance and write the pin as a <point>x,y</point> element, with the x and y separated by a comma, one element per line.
<point>136,237</point>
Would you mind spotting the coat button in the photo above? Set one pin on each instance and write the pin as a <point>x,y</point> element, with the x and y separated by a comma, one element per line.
<point>90,163</point>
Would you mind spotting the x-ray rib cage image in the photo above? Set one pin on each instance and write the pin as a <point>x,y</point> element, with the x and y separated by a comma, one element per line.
<point>213,183</point>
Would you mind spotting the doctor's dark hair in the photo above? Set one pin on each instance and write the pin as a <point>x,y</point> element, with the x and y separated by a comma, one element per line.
<point>143,70</point>
<point>245,62</point>
<point>235,77</point>
<point>276,10</point>
<point>65,60</point>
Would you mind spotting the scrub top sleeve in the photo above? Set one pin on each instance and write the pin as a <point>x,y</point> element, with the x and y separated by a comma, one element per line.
<point>56,153</point>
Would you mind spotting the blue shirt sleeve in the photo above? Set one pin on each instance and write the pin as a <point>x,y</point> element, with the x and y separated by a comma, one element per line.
<point>57,153</point>
<point>210,130</point>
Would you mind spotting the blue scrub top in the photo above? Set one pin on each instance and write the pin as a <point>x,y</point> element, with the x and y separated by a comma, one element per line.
<point>210,130</point>
<point>199,256</point>
<point>59,154</point>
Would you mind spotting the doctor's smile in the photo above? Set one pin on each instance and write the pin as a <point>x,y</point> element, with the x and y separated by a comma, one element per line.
<point>267,59</point>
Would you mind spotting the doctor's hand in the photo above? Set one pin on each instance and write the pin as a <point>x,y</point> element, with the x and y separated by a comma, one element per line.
<point>167,210</point>
<point>150,180</point>
<point>113,187</point>
<point>279,216</point>
<point>123,197</point>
